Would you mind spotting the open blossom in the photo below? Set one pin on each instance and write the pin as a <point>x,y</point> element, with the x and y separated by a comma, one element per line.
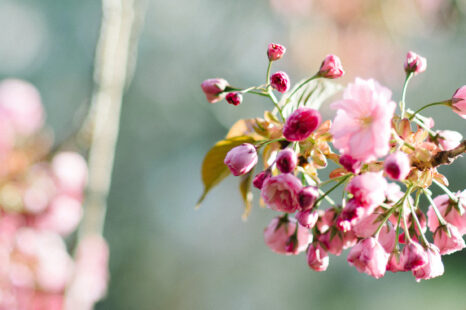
<point>281,238</point>
<point>331,67</point>
<point>213,89</point>
<point>241,159</point>
<point>275,51</point>
<point>317,258</point>
<point>286,160</point>
<point>459,101</point>
<point>280,192</point>
<point>433,268</point>
<point>415,63</point>
<point>301,123</point>
<point>369,256</point>
<point>368,189</point>
<point>397,165</point>
<point>362,124</point>
<point>280,81</point>
<point>449,139</point>
<point>453,217</point>
<point>446,244</point>
<point>413,256</point>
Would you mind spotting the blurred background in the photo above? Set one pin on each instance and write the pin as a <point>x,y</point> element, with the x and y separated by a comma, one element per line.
<point>165,254</point>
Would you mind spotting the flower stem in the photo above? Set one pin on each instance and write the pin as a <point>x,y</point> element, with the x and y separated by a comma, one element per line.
<point>302,84</point>
<point>331,190</point>
<point>446,190</point>
<point>416,220</point>
<point>391,211</point>
<point>429,105</point>
<point>403,95</point>
<point>434,206</point>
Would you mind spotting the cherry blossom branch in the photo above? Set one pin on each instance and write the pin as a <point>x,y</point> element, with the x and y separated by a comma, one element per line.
<point>447,157</point>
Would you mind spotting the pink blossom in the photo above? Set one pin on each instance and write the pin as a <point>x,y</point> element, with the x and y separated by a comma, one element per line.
<point>446,244</point>
<point>397,165</point>
<point>307,218</point>
<point>280,192</point>
<point>326,219</point>
<point>331,67</point>
<point>213,89</point>
<point>241,159</point>
<point>275,51</point>
<point>449,212</point>
<point>394,263</point>
<point>413,256</point>
<point>21,105</point>
<point>368,189</point>
<point>369,256</point>
<point>234,98</point>
<point>301,123</point>
<point>281,238</point>
<point>433,268</point>
<point>352,213</point>
<point>449,139</point>
<point>307,197</point>
<point>332,242</point>
<point>317,258</point>
<point>415,63</point>
<point>70,171</point>
<point>286,160</point>
<point>350,164</point>
<point>280,81</point>
<point>459,101</point>
<point>362,124</point>
<point>366,227</point>
<point>260,178</point>
<point>387,237</point>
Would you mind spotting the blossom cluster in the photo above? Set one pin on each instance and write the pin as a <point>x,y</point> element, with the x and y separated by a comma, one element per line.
<point>41,195</point>
<point>385,163</point>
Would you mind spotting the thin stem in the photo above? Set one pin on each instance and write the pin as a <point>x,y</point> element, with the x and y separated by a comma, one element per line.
<point>302,84</point>
<point>331,190</point>
<point>267,76</point>
<point>332,180</point>
<point>389,213</point>
<point>403,95</point>
<point>434,206</point>
<point>418,224</point>
<point>400,141</point>
<point>397,235</point>
<point>261,144</point>
<point>402,213</point>
<point>275,102</point>
<point>428,105</point>
<point>446,190</point>
<point>329,200</point>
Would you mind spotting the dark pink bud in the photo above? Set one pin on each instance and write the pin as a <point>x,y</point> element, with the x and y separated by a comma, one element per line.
<point>280,81</point>
<point>351,214</point>
<point>307,218</point>
<point>415,63</point>
<point>350,164</point>
<point>241,159</point>
<point>286,160</point>
<point>307,197</point>
<point>301,123</point>
<point>260,178</point>
<point>275,51</point>
<point>331,67</point>
<point>397,165</point>
<point>234,98</point>
<point>213,89</point>
<point>459,101</point>
<point>413,256</point>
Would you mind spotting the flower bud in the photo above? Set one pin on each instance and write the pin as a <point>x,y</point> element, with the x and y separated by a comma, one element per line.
<point>234,98</point>
<point>369,256</point>
<point>351,214</point>
<point>317,258</point>
<point>213,89</point>
<point>241,159</point>
<point>331,67</point>
<point>307,196</point>
<point>368,189</point>
<point>332,242</point>
<point>280,192</point>
<point>260,178</point>
<point>397,165</point>
<point>275,51</point>
<point>446,244</point>
<point>459,101</point>
<point>307,218</point>
<point>301,123</point>
<point>280,81</point>
<point>285,236</point>
<point>449,139</point>
<point>433,268</point>
<point>286,160</point>
<point>413,256</point>
<point>350,164</point>
<point>415,63</point>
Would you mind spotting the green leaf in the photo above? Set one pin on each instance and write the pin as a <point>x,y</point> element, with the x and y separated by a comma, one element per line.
<point>246,193</point>
<point>213,169</point>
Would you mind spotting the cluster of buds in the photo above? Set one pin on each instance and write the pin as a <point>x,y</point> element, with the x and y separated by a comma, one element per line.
<point>385,169</point>
<point>41,195</point>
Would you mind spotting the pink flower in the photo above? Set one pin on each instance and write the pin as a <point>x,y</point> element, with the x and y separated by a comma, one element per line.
<point>285,236</point>
<point>368,189</point>
<point>307,197</point>
<point>213,89</point>
<point>331,67</point>
<point>301,123</point>
<point>449,212</point>
<point>394,263</point>
<point>280,81</point>
<point>326,219</point>
<point>366,227</point>
<point>387,237</point>
<point>369,256</point>
<point>307,218</point>
<point>459,101</point>
<point>234,98</point>
<point>21,105</point>
<point>241,159</point>
<point>362,125</point>
<point>70,171</point>
<point>448,245</point>
<point>415,63</point>
<point>317,258</point>
<point>280,192</point>
<point>397,165</point>
<point>260,178</point>
<point>275,51</point>
<point>352,213</point>
<point>286,160</point>
<point>449,139</point>
<point>332,242</point>
<point>350,164</point>
<point>433,268</point>
<point>413,256</point>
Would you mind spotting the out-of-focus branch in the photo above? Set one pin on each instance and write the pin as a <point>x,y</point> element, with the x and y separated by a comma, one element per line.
<point>443,157</point>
